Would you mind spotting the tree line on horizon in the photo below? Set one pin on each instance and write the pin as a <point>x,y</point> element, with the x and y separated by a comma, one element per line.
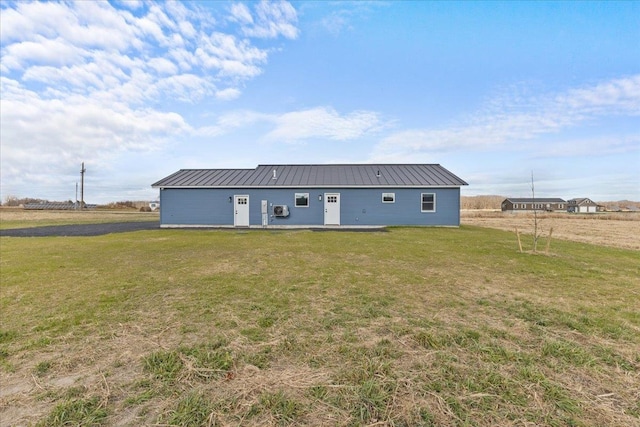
<point>486,202</point>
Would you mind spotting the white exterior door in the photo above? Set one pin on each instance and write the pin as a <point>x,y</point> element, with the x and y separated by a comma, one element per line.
<point>241,211</point>
<point>331,208</point>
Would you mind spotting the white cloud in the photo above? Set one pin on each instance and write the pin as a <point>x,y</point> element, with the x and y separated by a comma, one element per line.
<point>511,123</point>
<point>232,57</point>
<point>228,94</point>
<point>343,16</point>
<point>97,78</point>
<point>337,22</point>
<point>272,19</point>
<point>183,87</point>
<point>241,13</point>
<point>187,29</point>
<point>163,66</point>
<point>54,52</point>
<point>323,122</point>
<point>29,20</point>
<point>169,39</point>
<point>78,123</point>
<point>299,126</point>
<point>57,135</point>
<point>619,96</point>
<point>84,24</point>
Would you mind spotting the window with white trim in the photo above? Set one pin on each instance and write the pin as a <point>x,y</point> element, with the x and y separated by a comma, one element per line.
<point>428,202</point>
<point>302,200</point>
<point>388,197</point>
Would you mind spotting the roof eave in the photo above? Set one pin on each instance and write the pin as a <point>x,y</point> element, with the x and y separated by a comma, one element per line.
<point>246,187</point>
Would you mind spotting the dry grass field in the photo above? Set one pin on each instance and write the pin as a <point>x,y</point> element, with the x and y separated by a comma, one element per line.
<point>618,230</point>
<point>17,217</point>
<point>408,327</point>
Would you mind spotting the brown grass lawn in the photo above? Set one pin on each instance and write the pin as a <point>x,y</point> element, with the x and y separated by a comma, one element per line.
<point>618,230</point>
<point>408,327</point>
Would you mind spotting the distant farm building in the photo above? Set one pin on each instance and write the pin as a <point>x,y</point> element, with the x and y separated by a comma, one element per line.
<point>582,205</point>
<point>56,206</point>
<point>534,204</point>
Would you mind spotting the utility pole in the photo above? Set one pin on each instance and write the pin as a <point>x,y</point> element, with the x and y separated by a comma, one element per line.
<point>82,171</point>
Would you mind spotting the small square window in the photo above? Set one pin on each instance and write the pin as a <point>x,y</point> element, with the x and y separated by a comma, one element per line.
<point>428,202</point>
<point>302,200</point>
<point>388,197</point>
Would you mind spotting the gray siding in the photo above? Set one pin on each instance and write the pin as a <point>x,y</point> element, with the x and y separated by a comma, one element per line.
<point>358,206</point>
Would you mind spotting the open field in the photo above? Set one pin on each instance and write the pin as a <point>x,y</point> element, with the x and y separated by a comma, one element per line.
<point>18,217</point>
<point>410,327</point>
<point>618,230</point>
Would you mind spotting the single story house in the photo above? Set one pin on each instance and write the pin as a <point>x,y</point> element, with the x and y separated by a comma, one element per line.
<point>534,204</point>
<point>311,196</point>
<point>582,205</point>
<point>57,206</point>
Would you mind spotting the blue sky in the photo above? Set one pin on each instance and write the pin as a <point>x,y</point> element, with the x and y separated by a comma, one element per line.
<point>493,91</point>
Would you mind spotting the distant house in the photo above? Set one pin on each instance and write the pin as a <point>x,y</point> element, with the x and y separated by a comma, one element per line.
<point>56,206</point>
<point>155,205</point>
<point>311,196</point>
<point>582,205</point>
<point>534,204</point>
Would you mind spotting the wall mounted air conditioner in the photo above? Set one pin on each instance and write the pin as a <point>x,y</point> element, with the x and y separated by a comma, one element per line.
<point>280,210</point>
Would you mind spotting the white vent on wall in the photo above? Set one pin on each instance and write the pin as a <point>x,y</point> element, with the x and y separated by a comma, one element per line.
<point>280,210</point>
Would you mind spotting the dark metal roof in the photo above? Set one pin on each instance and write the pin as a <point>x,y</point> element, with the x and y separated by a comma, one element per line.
<point>347,175</point>
<point>582,201</point>
<point>63,206</point>
<point>536,200</point>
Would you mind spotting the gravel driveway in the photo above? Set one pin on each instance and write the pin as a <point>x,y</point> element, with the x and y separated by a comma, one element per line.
<point>81,229</point>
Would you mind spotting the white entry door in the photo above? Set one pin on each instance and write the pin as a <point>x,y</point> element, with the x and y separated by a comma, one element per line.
<point>241,211</point>
<point>331,208</point>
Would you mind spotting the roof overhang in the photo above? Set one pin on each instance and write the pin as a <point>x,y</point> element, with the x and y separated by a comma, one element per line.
<point>284,187</point>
